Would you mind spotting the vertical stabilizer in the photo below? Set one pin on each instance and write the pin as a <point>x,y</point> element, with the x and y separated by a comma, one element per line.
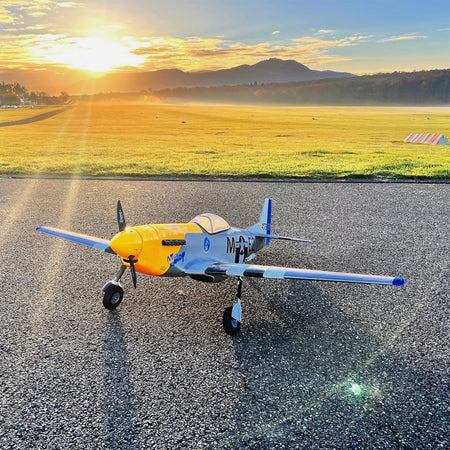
<point>264,225</point>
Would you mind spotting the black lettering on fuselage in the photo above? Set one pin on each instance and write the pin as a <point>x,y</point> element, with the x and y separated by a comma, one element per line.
<point>242,248</point>
<point>251,244</point>
<point>231,245</point>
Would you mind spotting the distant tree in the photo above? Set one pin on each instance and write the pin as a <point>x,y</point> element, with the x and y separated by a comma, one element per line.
<point>64,96</point>
<point>34,97</point>
<point>11,98</point>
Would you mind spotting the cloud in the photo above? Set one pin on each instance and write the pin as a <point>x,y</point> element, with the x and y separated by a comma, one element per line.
<point>276,32</point>
<point>13,10</point>
<point>36,44</point>
<point>69,4</point>
<point>35,27</point>
<point>34,8</point>
<point>197,53</point>
<point>326,31</point>
<point>314,42</point>
<point>6,16</point>
<point>405,37</point>
<point>113,26</point>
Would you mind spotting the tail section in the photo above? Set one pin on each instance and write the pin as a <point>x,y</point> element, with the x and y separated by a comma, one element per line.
<point>263,229</point>
<point>264,226</point>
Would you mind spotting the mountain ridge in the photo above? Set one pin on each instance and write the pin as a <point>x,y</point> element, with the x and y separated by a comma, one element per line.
<point>272,70</point>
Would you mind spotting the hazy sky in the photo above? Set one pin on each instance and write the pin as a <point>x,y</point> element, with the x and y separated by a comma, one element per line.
<point>360,36</point>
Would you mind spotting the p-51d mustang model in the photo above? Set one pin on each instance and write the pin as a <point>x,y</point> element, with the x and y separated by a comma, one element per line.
<point>205,249</point>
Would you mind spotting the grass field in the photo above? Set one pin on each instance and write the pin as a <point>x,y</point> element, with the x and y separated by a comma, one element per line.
<point>233,141</point>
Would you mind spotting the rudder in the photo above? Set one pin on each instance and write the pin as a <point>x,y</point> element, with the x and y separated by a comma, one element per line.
<point>264,225</point>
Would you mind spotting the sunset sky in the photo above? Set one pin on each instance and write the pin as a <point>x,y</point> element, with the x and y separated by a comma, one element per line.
<point>63,37</point>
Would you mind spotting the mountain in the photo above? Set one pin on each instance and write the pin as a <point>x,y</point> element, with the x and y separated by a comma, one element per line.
<point>269,71</point>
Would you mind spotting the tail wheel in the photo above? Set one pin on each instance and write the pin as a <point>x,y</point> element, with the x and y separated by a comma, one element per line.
<point>113,296</point>
<point>231,325</point>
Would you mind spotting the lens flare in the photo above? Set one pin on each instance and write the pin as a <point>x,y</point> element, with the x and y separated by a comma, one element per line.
<point>356,389</point>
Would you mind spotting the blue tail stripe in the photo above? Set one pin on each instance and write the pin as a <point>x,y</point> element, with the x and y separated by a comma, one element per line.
<point>269,219</point>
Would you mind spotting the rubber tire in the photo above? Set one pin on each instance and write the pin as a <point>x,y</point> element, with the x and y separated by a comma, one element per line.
<point>230,325</point>
<point>113,296</point>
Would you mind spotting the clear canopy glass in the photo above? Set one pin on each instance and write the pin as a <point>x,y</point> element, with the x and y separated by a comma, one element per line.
<point>211,223</point>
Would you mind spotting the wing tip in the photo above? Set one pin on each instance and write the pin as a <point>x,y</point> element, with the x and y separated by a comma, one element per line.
<point>398,281</point>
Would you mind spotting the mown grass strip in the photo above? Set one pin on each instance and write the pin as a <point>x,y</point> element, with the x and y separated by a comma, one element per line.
<point>142,140</point>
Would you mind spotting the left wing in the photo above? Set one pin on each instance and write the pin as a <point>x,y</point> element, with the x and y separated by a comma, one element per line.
<point>84,239</point>
<point>250,270</point>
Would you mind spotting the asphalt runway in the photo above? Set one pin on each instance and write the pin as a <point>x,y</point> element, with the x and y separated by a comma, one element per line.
<point>160,372</point>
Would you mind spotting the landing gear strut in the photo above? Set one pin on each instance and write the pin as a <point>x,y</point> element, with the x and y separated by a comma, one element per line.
<point>113,292</point>
<point>232,316</point>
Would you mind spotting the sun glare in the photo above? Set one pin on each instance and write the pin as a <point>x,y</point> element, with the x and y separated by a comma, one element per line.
<point>91,54</point>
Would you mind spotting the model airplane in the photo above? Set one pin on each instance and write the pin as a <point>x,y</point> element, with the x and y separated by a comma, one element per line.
<point>205,249</point>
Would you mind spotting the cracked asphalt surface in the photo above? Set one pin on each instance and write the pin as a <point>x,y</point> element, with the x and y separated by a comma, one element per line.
<point>317,365</point>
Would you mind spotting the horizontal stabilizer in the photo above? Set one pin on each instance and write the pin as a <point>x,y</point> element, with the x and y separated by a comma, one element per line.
<point>250,270</point>
<point>284,238</point>
<point>89,241</point>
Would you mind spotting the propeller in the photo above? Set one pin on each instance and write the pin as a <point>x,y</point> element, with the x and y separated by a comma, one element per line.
<point>122,225</point>
<point>120,217</point>
<point>133,270</point>
<point>131,262</point>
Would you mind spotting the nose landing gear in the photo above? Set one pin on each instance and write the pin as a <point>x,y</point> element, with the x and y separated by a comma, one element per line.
<point>113,292</point>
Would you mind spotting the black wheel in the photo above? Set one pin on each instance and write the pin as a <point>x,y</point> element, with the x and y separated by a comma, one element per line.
<point>231,326</point>
<point>113,296</point>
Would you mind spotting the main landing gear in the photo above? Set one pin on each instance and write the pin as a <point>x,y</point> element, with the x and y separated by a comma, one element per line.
<point>113,292</point>
<point>232,316</point>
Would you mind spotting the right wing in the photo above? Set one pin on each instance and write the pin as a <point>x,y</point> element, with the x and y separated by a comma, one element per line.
<point>251,270</point>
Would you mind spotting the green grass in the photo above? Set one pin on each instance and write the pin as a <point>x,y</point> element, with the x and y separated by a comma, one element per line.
<point>144,140</point>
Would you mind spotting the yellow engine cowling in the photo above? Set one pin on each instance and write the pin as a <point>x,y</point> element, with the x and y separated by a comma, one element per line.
<point>145,243</point>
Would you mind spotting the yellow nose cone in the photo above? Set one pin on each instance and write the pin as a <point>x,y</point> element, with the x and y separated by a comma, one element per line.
<point>127,242</point>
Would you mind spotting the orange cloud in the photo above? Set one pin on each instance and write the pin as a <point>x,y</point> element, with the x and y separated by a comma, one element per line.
<point>12,11</point>
<point>406,37</point>
<point>153,53</point>
<point>5,15</point>
<point>197,53</point>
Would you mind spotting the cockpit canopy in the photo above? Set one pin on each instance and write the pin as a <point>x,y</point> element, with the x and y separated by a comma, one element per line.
<point>211,223</point>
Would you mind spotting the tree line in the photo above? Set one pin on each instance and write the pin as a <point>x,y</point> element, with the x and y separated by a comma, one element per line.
<point>15,94</point>
<point>399,88</point>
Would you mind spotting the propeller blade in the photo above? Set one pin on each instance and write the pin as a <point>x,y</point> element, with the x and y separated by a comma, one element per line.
<point>133,270</point>
<point>120,217</point>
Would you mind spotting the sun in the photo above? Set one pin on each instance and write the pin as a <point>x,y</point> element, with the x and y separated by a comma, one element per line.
<point>91,53</point>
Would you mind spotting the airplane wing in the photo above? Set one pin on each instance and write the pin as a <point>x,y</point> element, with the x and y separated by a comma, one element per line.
<point>250,270</point>
<point>84,239</point>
